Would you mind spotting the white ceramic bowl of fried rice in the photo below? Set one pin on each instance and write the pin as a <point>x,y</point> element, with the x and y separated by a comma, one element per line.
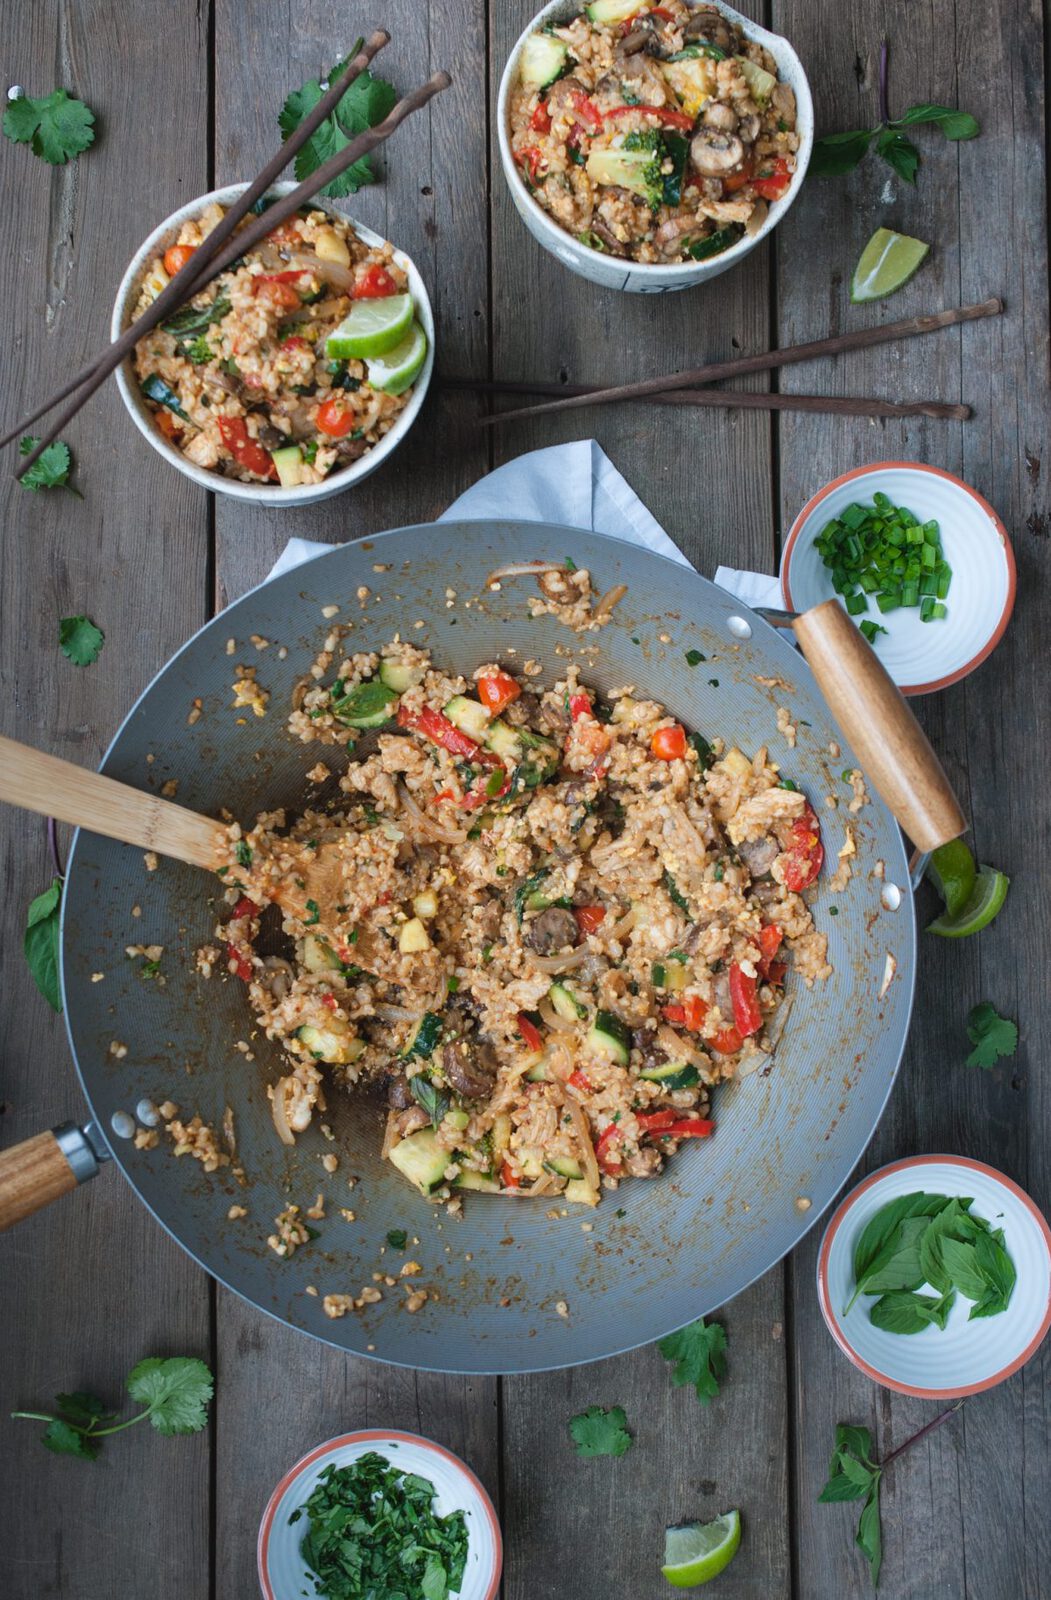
<point>611,272</point>
<point>165,234</point>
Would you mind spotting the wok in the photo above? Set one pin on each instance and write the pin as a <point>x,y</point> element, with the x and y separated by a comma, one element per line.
<point>660,1252</point>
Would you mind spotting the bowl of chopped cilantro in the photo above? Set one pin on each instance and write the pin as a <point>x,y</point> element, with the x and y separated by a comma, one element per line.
<point>917,557</point>
<point>380,1513</point>
<point>934,1277</point>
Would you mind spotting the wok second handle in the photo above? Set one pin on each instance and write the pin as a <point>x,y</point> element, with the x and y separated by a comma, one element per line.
<point>55,788</point>
<point>39,1170</point>
<point>874,716</point>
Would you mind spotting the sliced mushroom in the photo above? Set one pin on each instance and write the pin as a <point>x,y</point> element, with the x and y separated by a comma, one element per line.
<point>470,1066</point>
<point>351,450</point>
<point>608,237</point>
<point>711,26</point>
<point>748,127</point>
<point>553,930</point>
<point>412,1120</point>
<point>715,153</point>
<point>759,855</point>
<point>723,117</point>
<point>561,96</point>
<point>722,996</point>
<point>645,1041</point>
<point>673,235</point>
<point>399,1095</point>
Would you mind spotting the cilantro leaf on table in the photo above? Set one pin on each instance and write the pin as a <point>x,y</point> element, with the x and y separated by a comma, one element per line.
<point>366,103</point>
<point>601,1432</point>
<point>80,641</point>
<point>175,1393</point>
<point>40,943</point>
<point>51,470</point>
<point>698,1351</point>
<point>56,127</point>
<point>991,1034</point>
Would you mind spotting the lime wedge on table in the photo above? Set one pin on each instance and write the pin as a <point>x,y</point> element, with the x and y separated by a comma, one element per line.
<point>953,873</point>
<point>399,367</point>
<point>697,1551</point>
<point>986,898</point>
<point>371,328</point>
<point>887,261</point>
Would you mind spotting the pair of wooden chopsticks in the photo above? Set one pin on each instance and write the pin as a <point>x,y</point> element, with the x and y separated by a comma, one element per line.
<point>677,388</point>
<point>225,244</point>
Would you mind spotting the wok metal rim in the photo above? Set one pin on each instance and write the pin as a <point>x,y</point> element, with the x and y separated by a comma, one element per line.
<point>112,1145</point>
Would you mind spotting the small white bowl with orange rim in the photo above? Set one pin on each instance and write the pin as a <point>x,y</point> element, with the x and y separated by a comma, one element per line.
<point>919,656</point>
<point>966,1357</point>
<point>283,1574</point>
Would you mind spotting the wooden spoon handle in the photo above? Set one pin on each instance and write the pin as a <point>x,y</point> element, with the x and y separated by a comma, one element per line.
<point>873,715</point>
<point>56,788</point>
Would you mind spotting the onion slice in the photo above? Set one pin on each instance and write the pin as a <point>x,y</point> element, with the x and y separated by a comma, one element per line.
<point>279,1110</point>
<point>611,598</point>
<point>560,963</point>
<point>521,569</point>
<point>552,1019</point>
<point>426,824</point>
<point>679,1050</point>
<point>583,1133</point>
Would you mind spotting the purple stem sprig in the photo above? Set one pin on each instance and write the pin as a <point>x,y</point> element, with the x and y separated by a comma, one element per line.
<point>884,106</point>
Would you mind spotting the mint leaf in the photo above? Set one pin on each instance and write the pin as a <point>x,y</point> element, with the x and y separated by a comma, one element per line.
<point>176,1391</point>
<point>366,103</point>
<point>698,1351</point>
<point>51,470</point>
<point>56,127</point>
<point>66,1441</point>
<point>954,124</point>
<point>837,153</point>
<point>899,153</point>
<point>80,641</point>
<point>598,1432</point>
<point>991,1034</point>
<point>904,1313</point>
<point>40,943</point>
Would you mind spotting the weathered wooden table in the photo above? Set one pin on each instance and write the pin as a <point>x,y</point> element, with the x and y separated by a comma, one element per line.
<point>187,95</point>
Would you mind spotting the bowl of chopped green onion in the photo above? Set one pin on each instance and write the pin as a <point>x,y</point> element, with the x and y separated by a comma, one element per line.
<point>917,557</point>
<point>380,1512</point>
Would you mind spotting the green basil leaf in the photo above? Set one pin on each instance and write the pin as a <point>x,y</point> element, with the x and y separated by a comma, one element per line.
<point>857,1440</point>
<point>840,1487</point>
<point>41,943</point>
<point>837,153</point>
<point>905,1313</point>
<point>954,124</point>
<point>898,1264</point>
<point>880,1227</point>
<point>961,1263</point>
<point>899,153</point>
<point>869,1537</point>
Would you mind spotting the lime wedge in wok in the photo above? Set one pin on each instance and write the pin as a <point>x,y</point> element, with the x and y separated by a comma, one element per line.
<point>887,261</point>
<point>697,1551</point>
<point>371,328</point>
<point>393,372</point>
<point>987,896</point>
<point>953,873</point>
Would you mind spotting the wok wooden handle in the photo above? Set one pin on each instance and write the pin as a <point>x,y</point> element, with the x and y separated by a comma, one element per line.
<point>32,1174</point>
<point>873,715</point>
<point>56,788</point>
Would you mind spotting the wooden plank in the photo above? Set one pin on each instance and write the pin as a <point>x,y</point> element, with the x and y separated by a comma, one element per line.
<point>432,202</point>
<point>707,478</point>
<point>93,1285</point>
<point>990,1466</point>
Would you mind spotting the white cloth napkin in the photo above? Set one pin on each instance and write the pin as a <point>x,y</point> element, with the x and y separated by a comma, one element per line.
<point>576,484</point>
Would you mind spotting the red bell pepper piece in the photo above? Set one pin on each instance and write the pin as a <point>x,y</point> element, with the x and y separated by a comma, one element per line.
<point>438,729</point>
<point>737,180</point>
<point>689,1128</point>
<point>609,1163</point>
<point>776,973</point>
<point>673,1013</point>
<point>242,966</point>
<point>508,1177</point>
<point>656,1121</point>
<point>587,111</point>
<point>279,288</point>
<point>589,918</point>
<point>774,180</point>
<point>581,1081</point>
<point>669,744</point>
<point>529,1031</point>
<point>330,1001</point>
<point>248,452</point>
<point>540,121</point>
<point>579,706</point>
<point>747,1016</point>
<point>769,943</point>
<point>245,908</point>
<point>667,119</point>
<point>532,159</point>
<point>497,692</point>
<point>295,342</point>
<point>805,853</point>
<point>690,1014</point>
<point>375,283</point>
<point>443,794</point>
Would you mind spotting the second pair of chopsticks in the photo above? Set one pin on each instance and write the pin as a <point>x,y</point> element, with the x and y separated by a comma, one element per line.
<point>677,388</point>
<point>225,244</point>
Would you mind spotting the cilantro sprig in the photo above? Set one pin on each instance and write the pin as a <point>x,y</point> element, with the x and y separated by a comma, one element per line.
<point>80,640</point>
<point>699,1354</point>
<point>56,128</point>
<point>51,469</point>
<point>837,153</point>
<point>366,103</point>
<point>601,1431</point>
<point>991,1034</point>
<point>174,1394</point>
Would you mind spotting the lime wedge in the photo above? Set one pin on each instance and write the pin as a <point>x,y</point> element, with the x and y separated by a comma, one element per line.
<point>371,328</point>
<point>952,871</point>
<point>394,371</point>
<point>694,1552</point>
<point>987,896</point>
<point>887,261</point>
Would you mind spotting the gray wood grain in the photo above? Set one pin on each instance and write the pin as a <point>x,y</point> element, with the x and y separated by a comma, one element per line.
<point>989,1466</point>
<point>94,1285</point>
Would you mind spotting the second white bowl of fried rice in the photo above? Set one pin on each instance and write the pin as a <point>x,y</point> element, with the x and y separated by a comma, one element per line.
<point>651,146</point>
<point>239,405</point>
